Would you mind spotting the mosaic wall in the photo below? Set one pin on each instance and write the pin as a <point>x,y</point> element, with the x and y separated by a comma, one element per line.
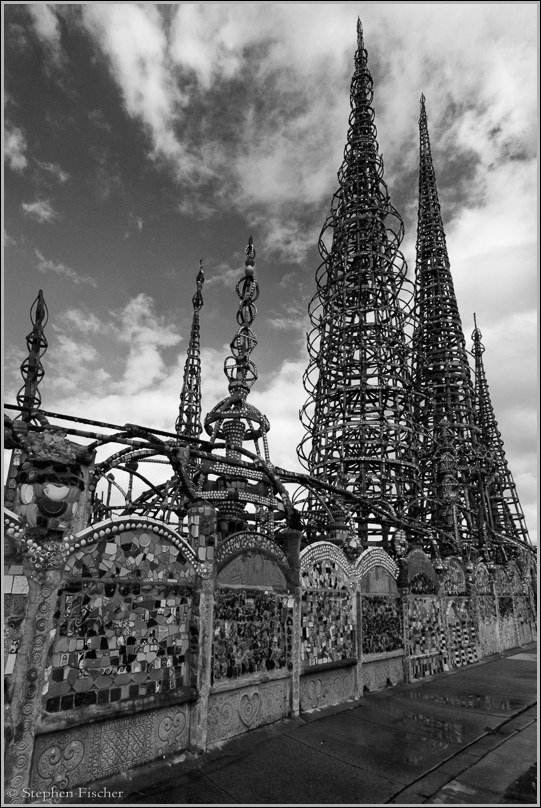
<point>426,642</point>
<point>382,624</point>
<point>123,630</point>
<point>506,623</point>
<point>327,629</point>
<point>15,600</point>
<point>117,642</point>
<point>134,554</point>
<point>253,631</point>
<point>383,673</point>
<point>233,712</point>
<point>488,638</point>
<point>84,754</point>
<point>324,574</point>
<point>453,581</point>
<point>421,584</point>
<point>462,633</point>
<point>525,619</point>
<point>327,687</point>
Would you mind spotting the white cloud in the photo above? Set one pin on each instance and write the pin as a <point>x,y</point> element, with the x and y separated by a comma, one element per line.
<point>224,275</point>
<point>146,333</point>
<point>47,28</point>
<point>133,39</point>
<point>41,210</point>
<point>54,169</point>
<point>46,265</point>
<point>14,148</point>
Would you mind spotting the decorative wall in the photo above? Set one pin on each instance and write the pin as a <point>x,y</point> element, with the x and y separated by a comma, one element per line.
<point>123,622</point>
<point>117,642</point>
<point>381,673</point>
<point>525,619</point>
<point>327,687</point>
<point>487,625</point>
<point>327,621</point>
<point>426,640</point>
<point>232,712</point>
<point>382,624</point>
<point>253,632</point>
<point>462,634</point>
<point>83,754</point>
<point>506,622</point>
<point>327,631</point>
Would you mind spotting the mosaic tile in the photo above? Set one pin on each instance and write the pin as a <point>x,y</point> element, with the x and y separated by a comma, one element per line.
<point>382,624</point>
<point>253,631</point>
<point>327,630</point>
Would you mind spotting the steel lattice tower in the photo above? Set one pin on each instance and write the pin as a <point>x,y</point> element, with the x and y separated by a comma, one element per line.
<point>505,516</point>
<point>358,417</point>
<point>188,423</point>
<point>450,462</point>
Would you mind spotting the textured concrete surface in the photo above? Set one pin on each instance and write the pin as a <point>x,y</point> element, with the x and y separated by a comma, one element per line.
<point>467,737</point>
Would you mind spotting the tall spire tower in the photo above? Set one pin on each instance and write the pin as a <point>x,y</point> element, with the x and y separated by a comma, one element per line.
<point>358,417</point>
<point>29,396</point>
<point>505,517</point>
<point>449,462</point>
<point>188,423</point>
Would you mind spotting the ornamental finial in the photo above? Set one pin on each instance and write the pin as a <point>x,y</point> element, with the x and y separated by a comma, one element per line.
<point>360,35</point>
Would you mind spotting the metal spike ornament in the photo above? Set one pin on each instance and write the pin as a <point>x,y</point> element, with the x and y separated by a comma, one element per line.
<point>505,516</point>
<point>360,433</point>
<point>235,421</point>
<point>29,396</point>
<point>442,377</point>
<point>188,423</point>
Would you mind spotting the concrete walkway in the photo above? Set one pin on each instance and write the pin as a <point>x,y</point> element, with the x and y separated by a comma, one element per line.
<point>462,738</point>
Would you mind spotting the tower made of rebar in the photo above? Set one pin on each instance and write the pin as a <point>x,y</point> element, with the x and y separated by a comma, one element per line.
<point>358,416</point>
<point>451,458</point>
<point>505,516</point>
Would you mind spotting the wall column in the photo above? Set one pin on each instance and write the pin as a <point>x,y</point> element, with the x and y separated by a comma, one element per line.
<point>43,569</point>
<point>202,527</point>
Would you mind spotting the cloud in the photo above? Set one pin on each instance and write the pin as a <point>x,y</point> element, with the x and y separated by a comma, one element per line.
<point>133,39</point>
<point>235,102</point>
<point>224,275</point>
<point>135,224</point>
<point>146,333</point>
<point>41,210</point>
<point>8,240</point>
<point>46,265</point>
<point>294,317</point>
<point>97,117</point>
<point>47,29</point>
<point>54,169</point>
<point>14,148</point>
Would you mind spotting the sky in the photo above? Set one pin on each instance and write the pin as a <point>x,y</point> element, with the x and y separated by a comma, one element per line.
<point>140,138</point>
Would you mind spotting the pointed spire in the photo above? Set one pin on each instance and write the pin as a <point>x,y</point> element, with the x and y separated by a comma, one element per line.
<point>442,373</point>
<point>360,35</point>
<point>236,422</point>
<point>29,397</point>
<point>359,430</point>
<point>505,514</point>
<point>188,422</point>
<point>240,371</point>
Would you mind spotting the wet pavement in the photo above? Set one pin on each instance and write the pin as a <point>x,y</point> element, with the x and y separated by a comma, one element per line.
<point>467,737</point>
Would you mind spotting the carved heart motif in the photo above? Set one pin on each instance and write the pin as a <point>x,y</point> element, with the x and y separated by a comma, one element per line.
<point>315,687</point>
<point>249,708</point>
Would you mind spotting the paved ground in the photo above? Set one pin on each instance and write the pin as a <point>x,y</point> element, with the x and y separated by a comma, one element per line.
<point>462,738</point>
